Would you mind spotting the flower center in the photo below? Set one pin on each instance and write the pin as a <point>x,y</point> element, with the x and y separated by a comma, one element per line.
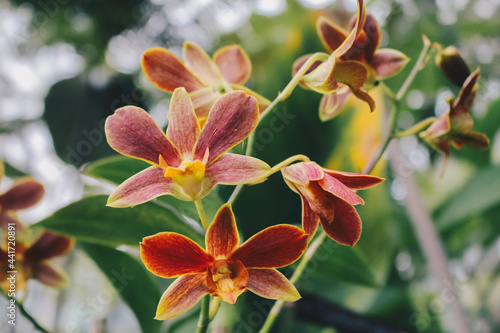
<point>227,280</point>
<point>189,175</point>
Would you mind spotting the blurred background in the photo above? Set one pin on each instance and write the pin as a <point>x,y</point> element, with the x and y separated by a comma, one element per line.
<point>67,65</point>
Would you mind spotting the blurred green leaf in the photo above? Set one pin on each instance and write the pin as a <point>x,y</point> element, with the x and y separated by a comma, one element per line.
<point>10,171</point>
<point>478,195</point>
<point>131,280</point>
<point>334,262</point>
<point>89,220</point>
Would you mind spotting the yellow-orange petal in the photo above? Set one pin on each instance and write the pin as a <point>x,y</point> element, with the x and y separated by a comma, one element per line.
<point>167,72</point>
<point>269,283</point>
<point>168,254</point>
<point>234,63</point>
<point>222,235</point>
<point>273,247</point>
<point>181,296</point>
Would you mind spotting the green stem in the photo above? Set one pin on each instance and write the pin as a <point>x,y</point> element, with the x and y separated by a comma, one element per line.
<point>201,213</point>
<point>204,315</point>
<point>308,255</point>
<point>25,313</point>
<point>214,308</point>
<point>275,310</point>
<point>415,128</point>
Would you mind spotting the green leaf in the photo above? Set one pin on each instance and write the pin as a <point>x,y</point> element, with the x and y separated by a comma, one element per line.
<point>89,220</point>
<point>478,195</point>
<point>131,280</point>
<point>341,263</point>
<point>115,169</point>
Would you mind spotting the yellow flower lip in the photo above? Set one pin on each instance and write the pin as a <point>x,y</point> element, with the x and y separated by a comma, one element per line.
<point>189,175</point>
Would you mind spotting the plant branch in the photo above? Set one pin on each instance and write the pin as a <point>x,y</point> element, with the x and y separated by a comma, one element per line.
<point>204,315</point>
<point>201,213</point>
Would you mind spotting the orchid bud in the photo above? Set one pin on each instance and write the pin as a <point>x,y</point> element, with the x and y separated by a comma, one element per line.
<point>453,65</point>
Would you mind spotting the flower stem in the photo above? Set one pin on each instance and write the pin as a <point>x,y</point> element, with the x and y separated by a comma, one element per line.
<point>204,315</point>
<point>415,128</point>
<point>25,313</point>
<point>275,310</point>
<point>214,308</point>
<point>308,255</point>
<point>201,213</point>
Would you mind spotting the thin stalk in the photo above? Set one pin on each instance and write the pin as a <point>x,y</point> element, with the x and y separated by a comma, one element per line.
<point>308,255</point>
<point>204,315</point>
<point>214,308</point>
<point>415,128</point>
<point>201,213</point>
<point>275,310</point>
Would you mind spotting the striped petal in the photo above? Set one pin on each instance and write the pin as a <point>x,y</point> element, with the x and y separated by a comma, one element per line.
<point>200,64</point>
<point>50,275</point>
<point>232,118</point>
<point>273,247</point>
<point>183,127</point>
<point>203,100</point>
<point>222,235</point>
<point>310,219</point>
<point>331,35</point>
<point>261,100</point>
<point>347,45</point>
<point>355,181</point>
<point>233,169</point>
<point>302,173</point>
<point>167,72</point>
<point>331,104</point>
<point>133,132</point>
<point>373,35</point>
<point>234,64</point>
<point>181,296</point>
<point>168,254</point>
<point>322,79</point>
<point>466,96</point>
<point>144,186</point>
<point>335,187</point>
<point>346,226</point>
<point>48,245</point>
<point>25,193</point>
<point>388,62</point>
<point>269,283</point>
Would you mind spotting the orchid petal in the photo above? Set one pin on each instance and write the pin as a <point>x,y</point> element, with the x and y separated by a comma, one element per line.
<point>48,245</point>
<point>363,95</point>
<point>203,100</point>
<point>50,275</point>
<point>310,219</point>
<point>331,35</point>
<point>319,200</point>
<point>201,64</point>
<point>273,247</point>
<point>183,127</point>
<point>323,79</point>
<point>269,283</point>
<point>261,100</point>
<point>373,35</point>
<point>144,186</point>
<point>233,169</point>
<point>181,296</point>
<point>335,187</point>
<point>331,104</point>
<point>297,65</point>
<point>234,64</point>
<point>222,235</point>
<point>302,173</point>
<point>388,62</point>
<point>133,132</point>
<point>232,118</point>
<point>473,139</point>
<point>346,226</point>
<point>168,254</point>
<point>349,41</point>
<point>167,72</point>
<point>25,193</point>
<point>228,288</point>
<point>355,181</point>
<point>466,97</point>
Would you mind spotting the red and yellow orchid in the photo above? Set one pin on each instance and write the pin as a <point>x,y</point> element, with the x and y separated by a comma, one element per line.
<point>204,78</point>
<point>455,126</point>
<point>188,161</point>
<point>225,269</point>
<point>354,64</point>
<point>26,192</point>
<point>328,197</point>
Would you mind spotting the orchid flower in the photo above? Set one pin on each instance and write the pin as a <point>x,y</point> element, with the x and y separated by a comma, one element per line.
<point>205,79</point>
<point>328,197</point>
<point>224,268</point>
<point>188,161</point>
<point>455,126</point>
